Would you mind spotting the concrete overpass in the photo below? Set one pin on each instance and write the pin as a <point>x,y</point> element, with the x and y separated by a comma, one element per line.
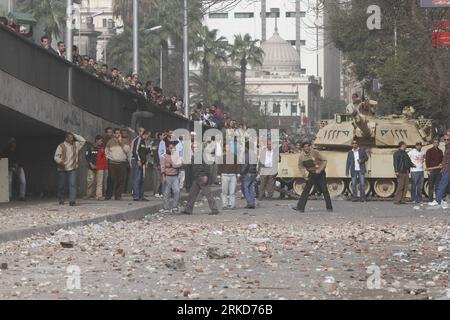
<point>42,96</point>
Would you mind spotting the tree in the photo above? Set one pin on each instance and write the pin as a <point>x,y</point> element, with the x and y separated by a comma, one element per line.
<point>208,50</point>
<point>169,15</point>
<point>410,70</point>
<point>51,14</point>
<point>244,52</point>
<point>223,87</point>
<point>331,106</point>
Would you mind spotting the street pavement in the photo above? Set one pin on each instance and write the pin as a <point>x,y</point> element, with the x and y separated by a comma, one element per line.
<point>371,250</point>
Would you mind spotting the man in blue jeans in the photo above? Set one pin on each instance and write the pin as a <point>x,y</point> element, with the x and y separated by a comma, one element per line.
<point>445,180</point>
<point>139,152</point>
<point>248,174</point>
<point>170,169</point>
<point>66,157</point>
<point>356,166</point>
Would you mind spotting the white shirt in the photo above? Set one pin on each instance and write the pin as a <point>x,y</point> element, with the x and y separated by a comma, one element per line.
<point>351,108</point>
<point>268,162</point>
<point>356,156</point>
<point>418,158</point>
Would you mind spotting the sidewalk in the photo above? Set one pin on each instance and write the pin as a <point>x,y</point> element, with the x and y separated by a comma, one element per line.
<point>20,220</point>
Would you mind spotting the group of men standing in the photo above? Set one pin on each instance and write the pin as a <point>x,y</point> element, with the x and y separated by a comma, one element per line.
<point>414,164</point>
<point>409,169</point>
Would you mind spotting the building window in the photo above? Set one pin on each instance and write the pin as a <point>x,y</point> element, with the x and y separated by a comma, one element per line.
<point>272,14</point>
<point>244,15</point>
<point>293,14</point>
<point>218,15</point>
<point>293,108</point>
<point>293,42</point>
<point>276,107</point>
<point>105,23</point>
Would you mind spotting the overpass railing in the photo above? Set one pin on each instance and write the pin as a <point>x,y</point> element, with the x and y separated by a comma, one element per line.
<point>27,61</point>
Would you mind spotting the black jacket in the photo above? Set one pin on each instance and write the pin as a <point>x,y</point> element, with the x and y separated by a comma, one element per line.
<point>363,157</point>
<point>248,168</point>
<point>139,150</point>
<point>91,154</point>
<point>402,162</point>
<point>199,170</point>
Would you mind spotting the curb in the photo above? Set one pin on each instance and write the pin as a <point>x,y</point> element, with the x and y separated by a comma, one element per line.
<point>128,215</point>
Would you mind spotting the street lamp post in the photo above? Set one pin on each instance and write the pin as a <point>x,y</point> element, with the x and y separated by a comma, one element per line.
<point>160,54</point>
<point>69,42</point>
<point>186,60</point>
<point>135,37</point>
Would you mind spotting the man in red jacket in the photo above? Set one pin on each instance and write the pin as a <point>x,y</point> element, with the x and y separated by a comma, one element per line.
<point>433,161</point>
<point>96,158</point>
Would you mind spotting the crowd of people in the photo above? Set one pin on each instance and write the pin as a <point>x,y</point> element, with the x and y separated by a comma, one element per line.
<point>117,157</point>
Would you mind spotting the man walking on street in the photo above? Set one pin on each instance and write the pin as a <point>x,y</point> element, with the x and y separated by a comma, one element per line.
<point>268,169</point>
<point>356,167</point>
<point>117,152</point>
<point>229,179</point>
<point>97,165</point>
<point>248,175</point>
<point>417,157</point>
<point>66,157</point>
<point>180,150</point>
<point>433,161</point>
<point>200,174</point>
<point>139,154</point>
<point>402,167</point>
<point>312,164</point>
<point>445,180</point>
<point>170,166</point>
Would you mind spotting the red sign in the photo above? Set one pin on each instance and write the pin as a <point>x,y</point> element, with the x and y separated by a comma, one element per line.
<point>441,34</point>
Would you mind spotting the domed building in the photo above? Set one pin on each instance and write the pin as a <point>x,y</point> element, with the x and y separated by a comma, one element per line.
<point>280,56</point>
<point>288,98</point>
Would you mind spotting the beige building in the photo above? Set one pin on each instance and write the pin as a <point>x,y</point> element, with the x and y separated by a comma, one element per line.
<point>280,89</point>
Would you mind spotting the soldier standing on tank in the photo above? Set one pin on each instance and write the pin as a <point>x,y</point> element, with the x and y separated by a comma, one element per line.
<point>402,167</point>
<point>312,164</point>
<point>352,107</point>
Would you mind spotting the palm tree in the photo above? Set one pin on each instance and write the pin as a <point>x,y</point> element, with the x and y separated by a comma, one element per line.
<point>208,50</point>
<point>168,14</point>
<point>245,52</point>
<point>223,87</point>
<point>51,14</point>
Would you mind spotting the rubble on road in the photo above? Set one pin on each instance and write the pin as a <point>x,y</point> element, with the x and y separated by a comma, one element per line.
<point>232,257</point>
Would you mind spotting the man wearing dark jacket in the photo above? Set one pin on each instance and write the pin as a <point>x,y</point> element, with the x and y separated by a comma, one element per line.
<point>433,161</point>
<point>356,167</point>
<point>200,174</point>
<point>248,174</point>
<point>402,167</point>
<point>139,152</point>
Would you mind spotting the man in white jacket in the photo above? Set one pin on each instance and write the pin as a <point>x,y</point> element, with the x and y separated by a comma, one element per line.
<point>66,157</point>
<point>417,157</point>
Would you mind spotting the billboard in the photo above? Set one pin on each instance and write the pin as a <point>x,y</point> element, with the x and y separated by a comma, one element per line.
<point>435,3</point>
<point>441,34</point>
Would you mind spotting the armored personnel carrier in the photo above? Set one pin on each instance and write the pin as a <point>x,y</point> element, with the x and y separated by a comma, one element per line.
<point>379,135</point>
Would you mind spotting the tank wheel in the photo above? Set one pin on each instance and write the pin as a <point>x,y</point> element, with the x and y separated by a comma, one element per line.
<point>384,188</point>
<point>336,187</point>
<point>299,186</point>
<point>366,187</point>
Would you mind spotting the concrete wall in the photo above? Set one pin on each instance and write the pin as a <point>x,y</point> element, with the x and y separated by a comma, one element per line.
<point>40,121</point>
<point>4,185</point>
<point>39,105</point>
